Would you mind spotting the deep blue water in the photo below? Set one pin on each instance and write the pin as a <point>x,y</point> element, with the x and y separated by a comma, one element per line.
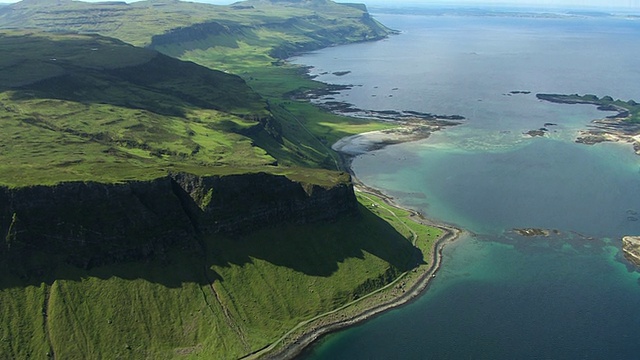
<point>499,295</point>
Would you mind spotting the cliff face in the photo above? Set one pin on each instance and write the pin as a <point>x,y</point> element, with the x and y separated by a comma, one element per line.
<point>233,204</point>
<point>89,224</point>
<point>190,33</point>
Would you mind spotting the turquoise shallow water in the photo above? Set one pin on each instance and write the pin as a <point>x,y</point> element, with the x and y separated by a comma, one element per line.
<point>543,183</point>
<point>499,295</point>
<point>509,300</point>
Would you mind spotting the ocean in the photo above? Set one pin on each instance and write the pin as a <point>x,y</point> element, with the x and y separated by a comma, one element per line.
<point>500,295</point>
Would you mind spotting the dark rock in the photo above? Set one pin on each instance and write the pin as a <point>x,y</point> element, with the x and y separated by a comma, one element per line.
<point>529,232</point>
<point>233,204</point>
<point>89,224</point>
<point>534,133</point>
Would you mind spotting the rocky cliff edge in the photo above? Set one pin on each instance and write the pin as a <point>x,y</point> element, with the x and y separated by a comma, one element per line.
<point>90,224</point>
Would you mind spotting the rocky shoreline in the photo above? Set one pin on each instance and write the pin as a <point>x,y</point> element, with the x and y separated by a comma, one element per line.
<point>323,98</point>
<point>611,130</point>
<point>417,126</point>
<point>335,322</point>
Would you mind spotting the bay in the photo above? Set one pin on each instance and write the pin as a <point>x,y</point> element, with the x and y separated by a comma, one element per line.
<point>500,295</point>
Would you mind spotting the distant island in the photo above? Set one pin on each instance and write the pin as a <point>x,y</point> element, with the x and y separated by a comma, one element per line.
<point>621,127</point>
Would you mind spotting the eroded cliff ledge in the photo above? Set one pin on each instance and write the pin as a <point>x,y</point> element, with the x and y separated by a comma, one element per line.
<point>90,224</point>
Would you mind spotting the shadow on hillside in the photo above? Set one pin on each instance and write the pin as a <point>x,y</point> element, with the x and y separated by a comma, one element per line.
<point>315,250</point>
<point>202,36</point>
<point>163,85</point>
<point>93,69</point>
<point>318,249</point>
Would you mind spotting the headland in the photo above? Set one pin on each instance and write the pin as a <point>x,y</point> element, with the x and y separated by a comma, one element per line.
<point>402,290</point>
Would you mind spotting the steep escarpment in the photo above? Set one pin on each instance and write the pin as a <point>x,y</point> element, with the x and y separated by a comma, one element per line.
<point>196,32</point>
<point>239,203</point>
<point>306,28</point>
<point>92,223</point>
<point>319,33</point>
<point>89,224</point>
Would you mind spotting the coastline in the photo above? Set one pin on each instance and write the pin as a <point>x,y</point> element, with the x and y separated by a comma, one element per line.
<point>295,342</point>
<point>611,130</point>
<point>298,339</point>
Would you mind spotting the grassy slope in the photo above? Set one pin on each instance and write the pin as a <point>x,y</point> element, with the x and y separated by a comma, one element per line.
<point>253,39</point>
<point>292,29</point>
<point>88,115</point>
<point>138,22</point>
<point>243,294</point>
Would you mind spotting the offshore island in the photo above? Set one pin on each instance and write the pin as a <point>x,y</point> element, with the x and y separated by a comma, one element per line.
<point>167,193</point>
<point>624,126</point>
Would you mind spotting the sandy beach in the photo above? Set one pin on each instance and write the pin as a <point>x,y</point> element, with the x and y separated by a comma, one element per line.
<point>299,338</point>
<point>359,144</point>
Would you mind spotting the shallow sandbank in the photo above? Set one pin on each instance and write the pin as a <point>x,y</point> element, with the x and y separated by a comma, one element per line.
<point>362,143</point>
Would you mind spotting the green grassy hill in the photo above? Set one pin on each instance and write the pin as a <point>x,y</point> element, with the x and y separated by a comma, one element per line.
<point>86,107</point>
<point>139,22</point>
<point>234,297</point>
<point>81,100</point>
<point>248,39</point>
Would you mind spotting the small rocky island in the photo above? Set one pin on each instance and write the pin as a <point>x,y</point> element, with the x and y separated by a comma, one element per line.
<point>631,249</point>
<point>621,127</point>
<point>533,232</point>
<point>537,132</point>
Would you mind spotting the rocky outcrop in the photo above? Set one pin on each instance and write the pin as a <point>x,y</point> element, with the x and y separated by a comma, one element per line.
<point>89,224</point>
<point>631,249</point>
<point>237,203</point>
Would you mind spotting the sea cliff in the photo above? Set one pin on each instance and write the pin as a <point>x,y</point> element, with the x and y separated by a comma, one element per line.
<point>90,224</point>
